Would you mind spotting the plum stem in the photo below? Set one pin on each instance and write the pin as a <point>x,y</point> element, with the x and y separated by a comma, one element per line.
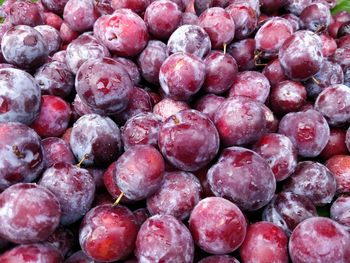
<point>225,49</point>
<point>320,29</point>
<point>113,37</point>
<point>315,80</point>
<point>85,157</point>
<point>118,199</point>
<point>176,120</point>
<point>257,58</point>
<point>17,152</point>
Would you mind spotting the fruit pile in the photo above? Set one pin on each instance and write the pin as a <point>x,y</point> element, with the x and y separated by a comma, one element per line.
<point>174,131</point>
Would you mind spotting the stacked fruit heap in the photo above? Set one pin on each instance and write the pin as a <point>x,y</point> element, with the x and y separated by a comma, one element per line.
<point>210,131</point>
